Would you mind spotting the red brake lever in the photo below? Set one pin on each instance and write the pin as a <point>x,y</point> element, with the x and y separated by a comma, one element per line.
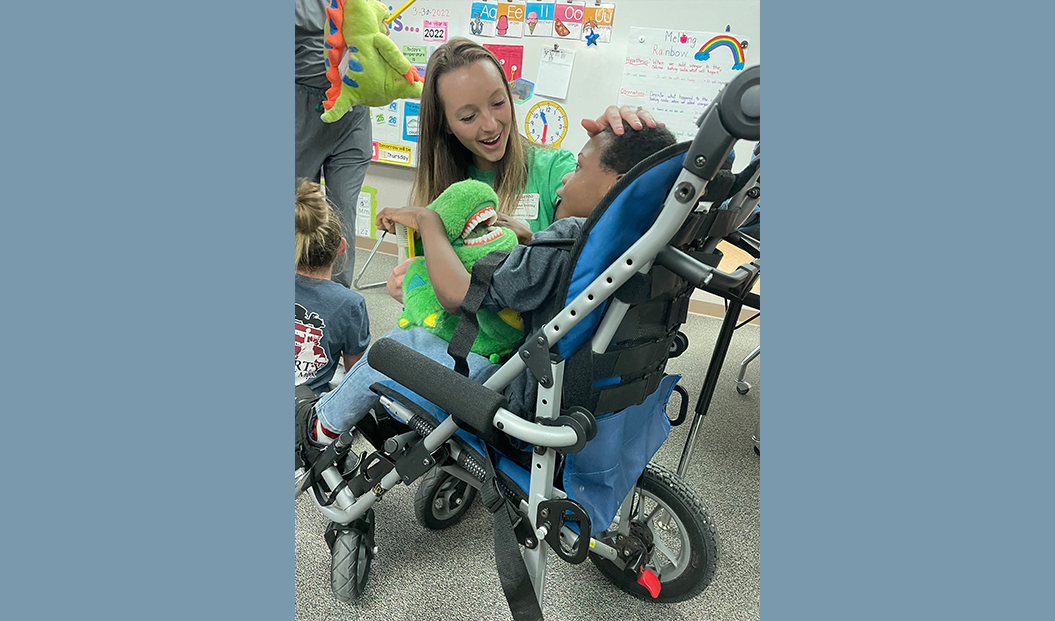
<point>649,580</point>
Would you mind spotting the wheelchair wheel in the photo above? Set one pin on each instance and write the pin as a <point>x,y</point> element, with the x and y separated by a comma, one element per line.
<point>442,500</point>
<point>350,558</point>
<point>678,345</point>
<point>668,515</point>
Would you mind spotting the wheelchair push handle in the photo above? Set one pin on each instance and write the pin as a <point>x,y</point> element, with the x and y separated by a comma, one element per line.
<point>735,114</point>
<point>706,277</point>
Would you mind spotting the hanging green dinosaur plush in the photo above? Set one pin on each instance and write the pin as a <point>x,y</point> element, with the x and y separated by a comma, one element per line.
<point>363,65</point>
<point>467,209</point>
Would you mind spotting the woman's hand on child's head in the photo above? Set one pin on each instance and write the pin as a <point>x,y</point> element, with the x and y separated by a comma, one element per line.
<point>519,227</point>
<point>395,280</point>
<point>614,117</point>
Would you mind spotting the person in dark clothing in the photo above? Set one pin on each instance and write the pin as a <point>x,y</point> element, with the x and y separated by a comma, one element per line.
<point>338,151</point>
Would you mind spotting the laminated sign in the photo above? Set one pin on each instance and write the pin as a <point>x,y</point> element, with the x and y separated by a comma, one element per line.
<point>392,153</point>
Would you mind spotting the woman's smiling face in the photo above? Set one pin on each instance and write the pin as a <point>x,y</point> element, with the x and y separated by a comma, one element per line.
<point>478,111</point>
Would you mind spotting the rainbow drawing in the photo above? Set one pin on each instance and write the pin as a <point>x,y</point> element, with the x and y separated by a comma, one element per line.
<point>723,41</point>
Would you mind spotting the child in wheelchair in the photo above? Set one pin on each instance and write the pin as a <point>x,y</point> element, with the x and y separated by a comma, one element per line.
<point>586,393</point>
<point>525,282</point>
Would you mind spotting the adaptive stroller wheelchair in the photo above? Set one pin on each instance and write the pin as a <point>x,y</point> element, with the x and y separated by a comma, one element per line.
<point>574,478</point>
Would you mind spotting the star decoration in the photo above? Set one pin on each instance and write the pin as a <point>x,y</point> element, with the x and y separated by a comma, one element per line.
<point>591,39</point>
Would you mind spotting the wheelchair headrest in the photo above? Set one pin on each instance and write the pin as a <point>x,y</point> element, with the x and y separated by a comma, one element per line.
<point>619,220</point>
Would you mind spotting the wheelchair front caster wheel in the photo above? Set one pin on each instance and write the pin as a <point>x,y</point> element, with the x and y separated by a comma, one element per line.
<point>350,556</point>
<point>442,500</point>
<point>742,388</point>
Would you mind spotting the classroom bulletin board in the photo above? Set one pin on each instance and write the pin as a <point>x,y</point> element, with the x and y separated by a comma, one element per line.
<point>671,57</point>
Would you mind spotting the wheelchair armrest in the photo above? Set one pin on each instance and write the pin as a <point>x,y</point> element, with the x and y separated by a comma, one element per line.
<point>565,436</point>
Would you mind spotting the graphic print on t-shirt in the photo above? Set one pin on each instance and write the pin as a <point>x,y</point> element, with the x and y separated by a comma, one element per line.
<point>309,355</point>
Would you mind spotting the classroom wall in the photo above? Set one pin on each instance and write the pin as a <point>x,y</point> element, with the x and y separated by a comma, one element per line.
<point>596,74</point>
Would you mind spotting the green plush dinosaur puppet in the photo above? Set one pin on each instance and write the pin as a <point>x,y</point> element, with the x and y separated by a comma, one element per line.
<point>364,66</point>
<point>467,209</point>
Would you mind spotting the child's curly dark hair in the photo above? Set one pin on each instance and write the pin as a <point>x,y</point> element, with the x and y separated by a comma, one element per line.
<point>624,152</point>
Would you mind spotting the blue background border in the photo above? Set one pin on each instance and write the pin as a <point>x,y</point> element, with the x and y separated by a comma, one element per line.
<point>147,242</point>
<point>905,451</point>
<point>906,472</point>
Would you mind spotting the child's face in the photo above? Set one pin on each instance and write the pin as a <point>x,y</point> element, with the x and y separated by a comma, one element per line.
<point>581,190</point>
<point>477,110</point>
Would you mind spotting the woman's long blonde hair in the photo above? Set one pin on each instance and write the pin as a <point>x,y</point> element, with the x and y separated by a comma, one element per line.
<point>442,160</point>
<point>318,228</point>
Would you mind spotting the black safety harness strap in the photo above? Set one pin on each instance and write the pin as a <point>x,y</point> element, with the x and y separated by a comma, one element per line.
<point>483,270</point>
<point>512,571</point>
<point>468,326</point>
<point>558,243</point>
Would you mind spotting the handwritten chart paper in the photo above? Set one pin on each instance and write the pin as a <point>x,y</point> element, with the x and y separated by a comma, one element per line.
<point>554,72</point>
<point>675,74</point>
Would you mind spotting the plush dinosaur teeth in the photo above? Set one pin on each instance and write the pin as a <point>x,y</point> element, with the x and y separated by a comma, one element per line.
<point>493,234</point>
<point>486,215</point>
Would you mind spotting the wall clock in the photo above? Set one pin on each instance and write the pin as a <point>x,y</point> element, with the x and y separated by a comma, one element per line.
<point>547,123</point>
